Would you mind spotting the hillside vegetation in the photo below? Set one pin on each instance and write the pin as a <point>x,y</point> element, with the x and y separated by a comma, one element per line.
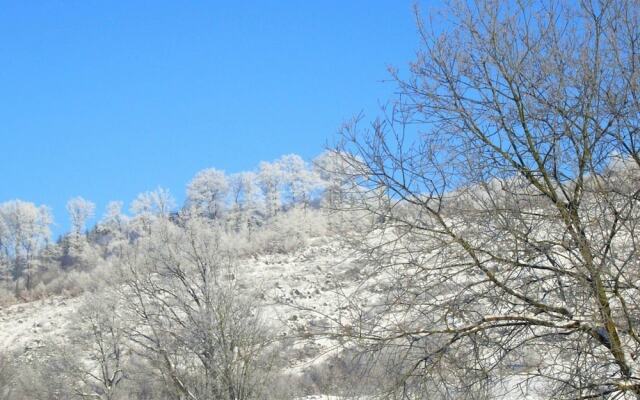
<point>478,240</point>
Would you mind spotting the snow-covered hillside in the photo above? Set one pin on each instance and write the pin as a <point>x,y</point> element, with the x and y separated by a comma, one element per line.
<point>297,293</point>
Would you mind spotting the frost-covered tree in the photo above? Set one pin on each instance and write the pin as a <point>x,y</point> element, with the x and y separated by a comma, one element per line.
<point>334,171</point>
<point>80,210</point>
<point>157,202</point>
<point>188,316</point>
<point>245,198</point>
<point>300,181</point>
<point>113,218</point>
<point>96,357</point>
<point>76,250</point>
<point>270,180</point>
<point>25,231</point>
<point>207,191</point>
<point>147,206</point>
<point>113,227</point>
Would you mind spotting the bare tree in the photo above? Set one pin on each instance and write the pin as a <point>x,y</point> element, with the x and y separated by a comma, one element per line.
<point>25,231</point>
<point>270,180</point>
<point>245,200</point>
<point>97,353</point>
<point>504,189</point>
<point>188,317</point>
<point>80,210</point>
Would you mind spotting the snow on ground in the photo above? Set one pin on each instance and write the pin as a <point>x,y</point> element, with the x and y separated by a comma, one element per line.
<point>289,286</point>
<point>297,292</point>
<point>28,326</point>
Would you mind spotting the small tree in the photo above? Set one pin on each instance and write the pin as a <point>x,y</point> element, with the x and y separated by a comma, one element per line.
<point>149,206</point>
<point>245,199</point>
<point>25,230</point>
<point>189,320</point>
<point>207,192</point>
<point>94,359</point>
<point>301,181</point>
<point>270,181</point>
<point>80,210</point>
<point>112,228</point>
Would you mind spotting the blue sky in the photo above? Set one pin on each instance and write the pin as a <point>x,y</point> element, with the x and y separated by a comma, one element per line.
<point>106,99</point>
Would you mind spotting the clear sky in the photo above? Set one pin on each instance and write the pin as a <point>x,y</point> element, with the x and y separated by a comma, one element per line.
<point>106,99</point>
